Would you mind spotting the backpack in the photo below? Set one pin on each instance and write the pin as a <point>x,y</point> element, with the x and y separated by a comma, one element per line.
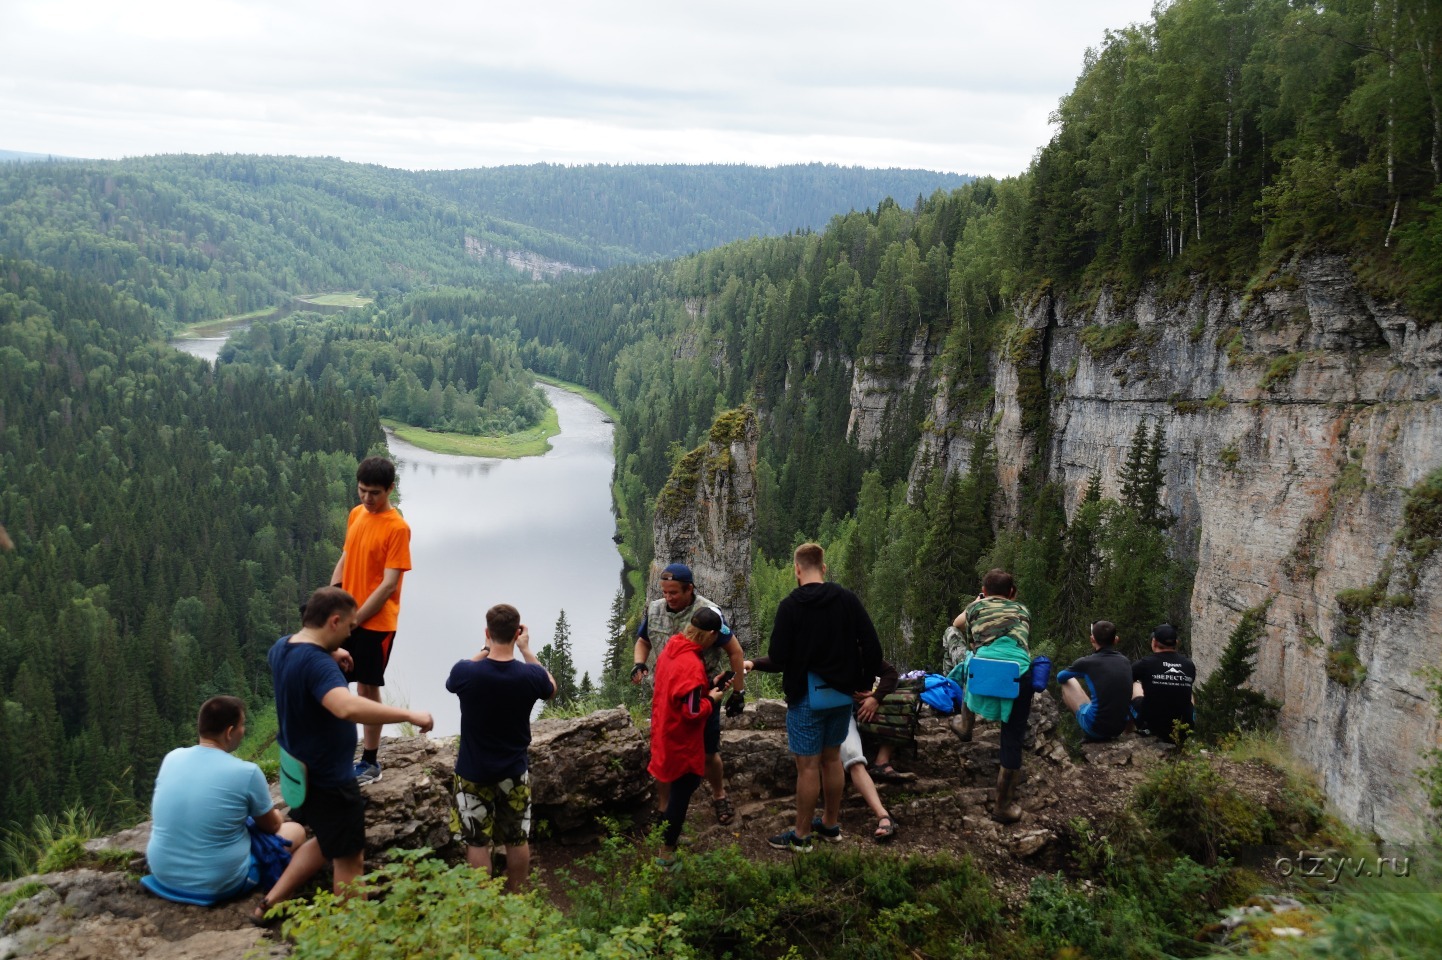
<point>898,715</point>
<point>942,694</point>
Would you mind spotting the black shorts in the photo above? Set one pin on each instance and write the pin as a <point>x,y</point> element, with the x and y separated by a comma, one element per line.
<point>371,651</point>
<point>712,739</point>
<point>337,817</point>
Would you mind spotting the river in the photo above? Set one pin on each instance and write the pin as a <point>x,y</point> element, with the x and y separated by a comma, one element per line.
<point>533,532</point>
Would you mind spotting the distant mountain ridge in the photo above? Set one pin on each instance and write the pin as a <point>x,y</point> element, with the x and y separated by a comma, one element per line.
<point>196,237</point>
<point>669,210</point>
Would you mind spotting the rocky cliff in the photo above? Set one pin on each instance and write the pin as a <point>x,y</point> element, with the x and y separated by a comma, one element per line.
<point>1298,417</point>
<point>706,514</point>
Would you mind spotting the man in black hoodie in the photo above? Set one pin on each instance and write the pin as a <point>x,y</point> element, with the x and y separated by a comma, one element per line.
<point>826,647</point>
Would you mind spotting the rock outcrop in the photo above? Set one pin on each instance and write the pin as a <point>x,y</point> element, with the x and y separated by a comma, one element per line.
<point>706,514</point>
<point>1297,418</point>
<point>592,767</point>
<point>524,261</point>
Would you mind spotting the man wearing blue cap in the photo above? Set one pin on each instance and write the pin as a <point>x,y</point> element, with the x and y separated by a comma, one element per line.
<point>664,619</point>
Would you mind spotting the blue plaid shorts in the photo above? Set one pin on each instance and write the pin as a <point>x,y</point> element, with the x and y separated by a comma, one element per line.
<point>808,731</point>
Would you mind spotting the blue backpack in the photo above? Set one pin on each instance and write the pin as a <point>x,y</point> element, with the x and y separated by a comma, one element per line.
<point>942,694</point>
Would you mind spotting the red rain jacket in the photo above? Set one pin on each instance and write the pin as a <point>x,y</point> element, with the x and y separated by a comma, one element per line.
<point>677,737</point>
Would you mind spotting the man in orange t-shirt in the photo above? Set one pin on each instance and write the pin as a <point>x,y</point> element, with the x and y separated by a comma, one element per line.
<point>377,554</point>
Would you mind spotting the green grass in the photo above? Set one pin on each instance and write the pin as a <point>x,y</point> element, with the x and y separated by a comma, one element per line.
<point>23,892</point>
<point>221,325</point>
<point>581,391</point>
<point>336,299</point>
<point>527,443</point>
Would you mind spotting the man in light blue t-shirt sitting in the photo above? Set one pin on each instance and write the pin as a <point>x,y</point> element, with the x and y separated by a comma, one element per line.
<point>200,848</point>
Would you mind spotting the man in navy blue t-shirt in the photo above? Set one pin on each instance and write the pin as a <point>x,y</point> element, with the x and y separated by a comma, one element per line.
<point>317,714</point>
<point>1103,706</point>
<point>498,689</point>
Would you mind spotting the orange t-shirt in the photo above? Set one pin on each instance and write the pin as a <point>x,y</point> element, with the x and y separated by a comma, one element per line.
<point>375,543</point>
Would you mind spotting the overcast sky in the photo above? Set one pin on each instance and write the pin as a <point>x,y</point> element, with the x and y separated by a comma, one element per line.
<point>962,86</point>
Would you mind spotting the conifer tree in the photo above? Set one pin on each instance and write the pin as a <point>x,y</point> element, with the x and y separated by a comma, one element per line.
<point>1224,702</point>
<point>557,658</point>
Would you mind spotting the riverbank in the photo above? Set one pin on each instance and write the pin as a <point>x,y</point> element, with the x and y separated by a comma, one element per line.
<point>221,326</point>
<point>527,443</point>
<point>601,402</point>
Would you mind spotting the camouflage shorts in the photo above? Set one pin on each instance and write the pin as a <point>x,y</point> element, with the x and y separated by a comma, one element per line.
<point>492,813</point>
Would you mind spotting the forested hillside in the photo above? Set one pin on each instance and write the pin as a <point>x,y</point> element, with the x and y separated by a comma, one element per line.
<point>199,237</point>
<point>167,518</point>
<point>468,379</point>
<point>671,210</point>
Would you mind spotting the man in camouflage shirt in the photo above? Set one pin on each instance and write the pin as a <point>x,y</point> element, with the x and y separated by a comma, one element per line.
<point>994,614</point>
<point>664,619</point>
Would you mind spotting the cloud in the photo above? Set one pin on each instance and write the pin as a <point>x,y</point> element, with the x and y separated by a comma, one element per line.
<point>950,85</point>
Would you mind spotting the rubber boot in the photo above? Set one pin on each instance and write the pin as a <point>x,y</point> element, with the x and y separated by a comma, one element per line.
<point>1006,810</point>
<point>962,723</point>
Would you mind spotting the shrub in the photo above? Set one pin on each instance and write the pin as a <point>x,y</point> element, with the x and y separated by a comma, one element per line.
<point>834,903</point>
<point>1280,369</point>
<point>1099,339</point>
<point>1198,813</point>
<point>419,907</point>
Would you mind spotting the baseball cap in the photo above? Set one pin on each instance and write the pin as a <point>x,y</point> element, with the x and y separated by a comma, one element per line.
<point>706,619</point>
<point>680,573</point>
<point>1165,634</point>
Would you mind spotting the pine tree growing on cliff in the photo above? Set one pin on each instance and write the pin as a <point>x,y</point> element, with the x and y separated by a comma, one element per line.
<point>1141,475</point>
<point>1225,704</point>
<point>1077,573</point>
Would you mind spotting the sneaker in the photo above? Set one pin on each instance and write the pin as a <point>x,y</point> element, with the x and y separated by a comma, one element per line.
<point>830,834</point>
<point>790,841</point>
<point>366,772</point>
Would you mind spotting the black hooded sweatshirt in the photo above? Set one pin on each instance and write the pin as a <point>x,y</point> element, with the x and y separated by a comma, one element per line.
<point>822,628</point>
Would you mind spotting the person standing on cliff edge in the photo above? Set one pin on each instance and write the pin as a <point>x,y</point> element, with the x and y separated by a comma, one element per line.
<point>316,716</point>
<point>664,619</point>
<point>826,647</point>
<point>376,557</point>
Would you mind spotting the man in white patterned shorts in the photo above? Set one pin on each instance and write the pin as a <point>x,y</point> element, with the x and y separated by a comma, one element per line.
<point>498,688</point>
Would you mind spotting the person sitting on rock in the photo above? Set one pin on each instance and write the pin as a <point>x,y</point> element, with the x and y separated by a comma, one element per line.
<point>200,849</point>
<point>996,618</point>
<point>685,696</point>
<point>1162,698</point>
<point>498,689</point>
<point>853,757</point>
<point>667,617</point>
<point>1102,708</point>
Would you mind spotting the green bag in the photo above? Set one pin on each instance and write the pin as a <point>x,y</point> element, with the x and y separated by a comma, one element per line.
<point>898,715</point>
<point>293,779</point>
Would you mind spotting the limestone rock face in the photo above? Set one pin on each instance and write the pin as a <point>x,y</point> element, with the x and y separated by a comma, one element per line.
<point>1296,420</point>
<point>881,392</point>
<point>705,517</point>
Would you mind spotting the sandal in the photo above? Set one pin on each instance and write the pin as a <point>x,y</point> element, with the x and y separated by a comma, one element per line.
<point>886,773</point>
<point>885,829</point>
<point>725,813</point>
